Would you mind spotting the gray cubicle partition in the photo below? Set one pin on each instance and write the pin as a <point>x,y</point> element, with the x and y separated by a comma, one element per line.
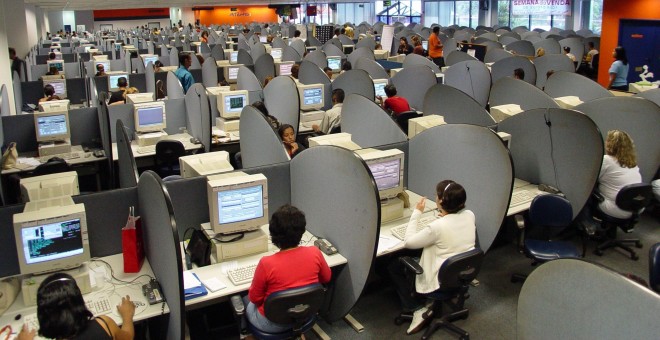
<point>363,52</point>
<point>639,117</point>
<point>198,117</point>
<point>494,55</point>
<point>506,40</point>
<point>4,101</point>
<point>471,77</point>
<point>348,215</point>
<point>508,90</point>
<point>572,84</point>
<point>456,57</point>
<point>550,46</point>
<point>576,45</point>
<point>279,43</point>
<point>367,42</point>
<point>310,73</point>
<point>554,62</point>
<point>18,95</point>
<point>174,87</point>
<point>412,83</point>
<point>456,106</point>
<point>249,82</point>
<point>652,95</point>
<point>218,53</point>
<point>449,46</point>
<point>244,58</point>
<point>162,248</point>
<point>264,67</point>
<point>317,57</point>
<point>106,139</point>
<point>210,72</point>
<point>368,124</point>
<point>150,79</point>
<point>375,70</point>
<point>521,47</point>
<point>356,82</point>
<point>260,145</point>
<point>415,60</point>
<point>257,50</point>
<point>505,67</point>
<point>126,166</point>
<point>290,54</point>
<point>282,100</point>
<point>576,299</point>
<point>544,146</point>
<point>174,57</point>
<point>474,157</point>
<point>175,111</point>
<point>299,46</point>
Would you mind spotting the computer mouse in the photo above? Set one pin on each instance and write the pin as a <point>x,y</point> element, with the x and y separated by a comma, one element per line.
<point>17,317</point>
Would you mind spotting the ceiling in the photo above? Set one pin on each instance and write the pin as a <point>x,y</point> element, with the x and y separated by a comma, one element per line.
<point>72,5</point>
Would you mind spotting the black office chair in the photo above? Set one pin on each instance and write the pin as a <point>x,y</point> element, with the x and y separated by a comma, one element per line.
<point>167,157</point>
<point>550,212</point>
<point>296,306</point>
<point>403,118</point>
<point>654,267</point>
<point>630,198</point>
<point>455,276</point>
<point>52,166</point>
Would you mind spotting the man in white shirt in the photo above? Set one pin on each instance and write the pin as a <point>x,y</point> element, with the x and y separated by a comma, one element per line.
<point>332,117</point>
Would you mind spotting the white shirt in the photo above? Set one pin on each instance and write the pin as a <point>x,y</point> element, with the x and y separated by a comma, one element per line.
<point>441,239</point>
<point>612,178</point>
<point>331,118</point>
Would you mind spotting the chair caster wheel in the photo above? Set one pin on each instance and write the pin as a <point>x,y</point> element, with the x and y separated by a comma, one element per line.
<point>634,257</point>
<point>638,244</point>
<point>398,321</point>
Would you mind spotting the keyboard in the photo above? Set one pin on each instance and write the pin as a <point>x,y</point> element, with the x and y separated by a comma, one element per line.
<point>99,306</point>
<point>521,197</point>
<point>241,275</point>
<point>31,321</point>
<point>64,156</point>
<point>146,149</point>
<point>400,230</point>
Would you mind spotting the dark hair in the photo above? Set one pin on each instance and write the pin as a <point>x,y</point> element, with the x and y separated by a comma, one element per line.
<point>98,67</point>
<point>183,57</point>
<point>205,33</point>
<point>519,72</point>
<point>549,73</point>
<point>436,29</point>
<point>346,66</point>
<point>259,105</point>
<point>567,49</point>
<point>51,55</point>
<point>286,226</point>
<point>121,82</point>
<point>326,69</point>
<point>12,51</point>
<point>591,44</point>
<point>49,90</point>
<point>337,31</point>
<point>390,90</point>
<point>295,69</point>
<point>52,71</point>
<point>621,54</point>
<point>452,195</point>
<point>158,63</point>
<point>339,94</point>
<point>296,34</point>
<point>404,40</point>
<point>282,128</point>
<point>61,309</point>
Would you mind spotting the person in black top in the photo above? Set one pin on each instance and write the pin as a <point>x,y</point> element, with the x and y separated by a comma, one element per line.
<point>16,62</point>
<point>118,96</point>
<point>62,314</point>
<point>404,47</point>
<point>100,70</point>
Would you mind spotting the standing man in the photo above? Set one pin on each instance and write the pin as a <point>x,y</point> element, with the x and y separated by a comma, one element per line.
<point>16,62</point>
<point>185,77</point>
<point>435,48</point>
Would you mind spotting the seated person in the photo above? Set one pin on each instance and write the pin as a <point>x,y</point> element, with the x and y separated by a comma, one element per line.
<point>418,47</point>
<point>404,47</point>
<point>519,73</point>
<point>100,70</point>
<point>451,234</point>
<point>62,314</point>
<point>118,96</point>
<point>53,71</point>
<point>49,94</point>
<point>274,123</point>
<point>378,46</point>
<point>288,137</point>
<point>295,70</point>
<point>332,117</point>
<point>394,104</point>
<point>129,90</point>
<point>293,266</point>
<point>567,52</point>
<point>328,72</point>
<point>182,73</point>
<point>346,66</point>
<point>52,56</point>
<point>157,65</point>
<point>267,80</point>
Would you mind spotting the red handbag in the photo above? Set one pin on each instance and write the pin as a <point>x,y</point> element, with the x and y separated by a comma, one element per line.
<point>131,243</point>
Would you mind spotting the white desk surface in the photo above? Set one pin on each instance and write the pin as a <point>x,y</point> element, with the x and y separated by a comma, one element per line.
<point>225,137</point>
<point>113,292</point>
<point>519,185</point>
<point>182,137</point>
<point>85,157</point>
<point>307,126</point>
<point>215,270</point>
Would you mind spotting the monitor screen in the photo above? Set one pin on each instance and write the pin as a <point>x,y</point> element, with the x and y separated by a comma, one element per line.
<point>386,173</point>
<point>52,241</point>
<point>59,85</point>
<point>379,88</point>
<point>276,53</point>
<point>285,69</point>
<point>232,73</point>
<point>425,45</point>
<point>114,78</point>
<point>311,96</point>
<point>334,63</point>
<point>59,64</point>
<point>263,39</point>
<point>387,168</point>
<point>233,57</point>
<point>52,126</point>
<point>149,117</point>
<point>235,103</point>
<point>238,203</point>
<point>106,66</point>
<point>147,59</point>
<point>231,103</point>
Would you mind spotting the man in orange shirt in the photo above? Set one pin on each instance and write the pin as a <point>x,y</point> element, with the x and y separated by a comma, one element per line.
<point>435,48</point>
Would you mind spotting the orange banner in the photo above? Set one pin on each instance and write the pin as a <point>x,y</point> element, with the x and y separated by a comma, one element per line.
<point>236,15</point>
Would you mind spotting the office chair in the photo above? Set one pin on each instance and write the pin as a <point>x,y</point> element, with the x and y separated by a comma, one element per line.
<point>296,306</point>
<point>52,166</point>
<point>549,211</point>
<point>654,267</point>
<point>455,276</point>
<point>403,118</point>
<point>167,157</point>
<point>632,198</point>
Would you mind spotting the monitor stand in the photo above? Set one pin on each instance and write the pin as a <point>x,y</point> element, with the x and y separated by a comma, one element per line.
<point>30,285</point>
<point>228,124</point>
<point>149,138</point>
<point>311,116</point>
<point>54,147</point>
<point>391,209</point>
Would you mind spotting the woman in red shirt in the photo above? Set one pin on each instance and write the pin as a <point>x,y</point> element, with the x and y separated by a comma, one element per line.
<point>293,266</point>
<point>394,104</point>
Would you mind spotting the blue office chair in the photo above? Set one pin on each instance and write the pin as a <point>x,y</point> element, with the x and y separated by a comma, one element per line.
<point>549,211</point>
<point>455,276</point>
<point>654,267</point>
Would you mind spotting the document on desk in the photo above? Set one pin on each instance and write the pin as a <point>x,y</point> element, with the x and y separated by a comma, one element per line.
<point>28,161</point>
<point>386,243</point>
<point>192,286</point>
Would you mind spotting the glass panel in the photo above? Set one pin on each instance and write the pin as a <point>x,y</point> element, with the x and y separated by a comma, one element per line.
<point>559,21</point>
<point>474,14</point>
<point>596,17</point>
<point>431,13</point>
<point>503,10</point>
<point>540,22</point>
<point>462,13</point>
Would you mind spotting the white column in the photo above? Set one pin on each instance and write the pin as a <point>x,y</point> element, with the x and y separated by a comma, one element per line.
<point>5,62</point>
<point>32,25</point>
<point>15,23</point>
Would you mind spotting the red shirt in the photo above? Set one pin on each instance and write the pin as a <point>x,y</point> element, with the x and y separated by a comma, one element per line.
<point>397,105</point>
<point>287,269</point>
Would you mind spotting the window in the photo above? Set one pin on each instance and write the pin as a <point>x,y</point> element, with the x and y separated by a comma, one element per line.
<point>323,14</point>
<point>447,13</point>
<point>355,13</point>
<point>405,12</point>
<point>596,16</point>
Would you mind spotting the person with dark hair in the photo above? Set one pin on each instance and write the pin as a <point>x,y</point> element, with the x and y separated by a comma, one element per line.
<point>337,32</point>
<point>157,65</point>
<point>332,117</point>
<point>418,48</point>
<point>404,47</point>
<point>52,56</point>
<point>346,66</point>
<point>16,62</point>
<point>295,70</point>
<point>328,72</point>
<point>182,73</point>
<point>118,96</point>
<point>100,70</point>
<point>53,71</point>
<point>62,314</point>
<point>291,267</point>
<point>296,35</point>
<point>592,51</point>
<point>519,73</point>
<point>435,47</point>
<point>394,104</point>
<point>619,70</point>
<point>454,232</point>
<point>288,137</point>
<point>49,94</point>
<point>274,123</point>
<point>567,52</point>
<point>204,37</point>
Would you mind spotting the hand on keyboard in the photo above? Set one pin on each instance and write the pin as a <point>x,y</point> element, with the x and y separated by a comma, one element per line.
<point>400,230</point>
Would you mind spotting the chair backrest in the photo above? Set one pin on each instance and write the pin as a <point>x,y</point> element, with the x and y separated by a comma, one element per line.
<point>294,305</point>
<point>403,118</point>
<point>550,211</point>
<point>634,197</point>
<point>53,166</point>
<point>654,267</point>
<point>459,270</point>
<point>168,152</point>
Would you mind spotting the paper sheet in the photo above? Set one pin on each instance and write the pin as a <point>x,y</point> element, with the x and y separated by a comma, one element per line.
<point>385,243</point>
<point>190,281</point>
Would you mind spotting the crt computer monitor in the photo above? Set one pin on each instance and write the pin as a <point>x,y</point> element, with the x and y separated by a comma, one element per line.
<point>263,39</point>
<point>387,169</point>
<point>44,187</point>
<point>231,73</point>
<point>311,96</point>
<point>379,87</point>
<point>284,68</point>
<point>233,57</point>
<point>276,53</point>
<point>334,63</point>
<point>147,58</point>
<point>51,239</point>
<point>149,117</point>
<point>238,203</point>
<point>58,64</point>
<point>59,85</point>
<point>54,105</point>
<point>114,78</point>
<point>231,103</point>
<point>52,126</point>
<point>105,63</point>
<point>425,45</point>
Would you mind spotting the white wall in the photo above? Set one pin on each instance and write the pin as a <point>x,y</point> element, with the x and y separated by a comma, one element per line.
<point>31,24</point>
<point>85,18</point>
<point>5,62</point>
<point>188,16</point>
<point>16,25</point>
<point>128,24</point>
<point>55,21</point>
<point>69,18</point>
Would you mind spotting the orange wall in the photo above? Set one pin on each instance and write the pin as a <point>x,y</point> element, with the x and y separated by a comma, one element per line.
<point>244,15</point>
<point>613,11</point>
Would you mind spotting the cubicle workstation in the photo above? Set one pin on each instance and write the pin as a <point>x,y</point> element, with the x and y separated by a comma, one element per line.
<point>510,96</point>
<point>413,82</point>
<point>74,88</point>
<point>505,67</point>
<point>471,77</point>
<point>260,145</point>
<point>282,101</point>
<point>571,89</point>
<point>456,106</point>
<point>136,80</point>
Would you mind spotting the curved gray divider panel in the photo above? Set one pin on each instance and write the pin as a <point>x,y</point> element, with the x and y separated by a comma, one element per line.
<point>533,38</point>
<point>367,42</point>
<point>290,54</point>
<point>489,36</point>
<point>506,40</point>
<point>513,91</point>
<point>164,52</point>
<point>210,72</point>
<point>415,60</point>
<point>572,84</point>
<point>243,44</point>
<point>317,57</point>
<point>104,132</point>
<point>456,106</point>
<point>345,40</point>
<point>504,68</point>
<point>249,82</point>
<point>549,154</point>
<point>333,50</point>
<point>150,78</point>
<point>128,173</point>
<point>375,70</point>
<point>449,46</point>
<point>652,95</point>
<point>195,64</point>
<point>279,43</point>
<point>257,50</point>
<point>555,62</point>
<point>351,222</point>
<point>362,52</point>
<point>299,46</point>
<point>264,67</point>
<point>638,117</point>
<point>260,145</point>
<point>174,88</point>
<point>218,53</point>
<point>550,46</point>
<point>368,124</point>
<point>543,313</point>
<point>412,83</point>
<point>198,114</point>
<point>282,100</point>
<point>576,45</point>
<point>355,81</point>
<point>244,58</point>
<point>161,247</point>
<point>494,55</point>
<point>471,77</point>
<point>492,45</point>
<point>521,47</point>
<point>311,74</point>
<point>474,157</point>
<point>174,57</point>
<point>456,57</point>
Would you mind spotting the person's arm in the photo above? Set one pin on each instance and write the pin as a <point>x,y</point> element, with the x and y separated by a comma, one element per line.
<point>126,311</point>
<point>421,239</point>
<point>613,73</point>
<point>324,274</point>
<point>26,333</point>
<point>257,292</point>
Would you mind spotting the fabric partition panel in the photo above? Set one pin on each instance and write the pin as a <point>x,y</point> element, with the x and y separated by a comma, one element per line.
<point>162,248</point>
<point>249,82</point>
<point>264,67</point>
<point>362,52</point>
<point>479,161</point>
<point>150,79</point>
<point>123,113</point>
<point>38,71</point>
<point>290,54</point>
<point>415,60</point>
<point>572,84</point>
<point>260,145</point>
<point>71,70</point>
<point>244,58</point>
<point>544,151</point>
<point>279,43</point>
<point>638,117</point>
<point>32,91</point>
<point>505,67</point>
<point>458,56</point>
<point>492,45</point>
<point>508,90</point>
<point>550,46</point>
<point>471,77</point>
<point>455,106</point>
<point>495,55</point>
<point>367,42</point>
<point>310,73</point>
<point>543,301</point>
<point>164,52</point>
<point>174,87</point>
<point>490,36</point>
<point>449,46</point>
<point>127,168</point>
<point>195,65</point>
<point>175,110</point>
<point>84,126</point>
<point>332,50</point>
<point>317,57</point>
<point>20,129</point>
<point>282,100</point>
<point>75,88</point>
<point>506,40</point>
<point>652,95</point>
<point>413,82</point>
<point>299,46</point>
<point>198,115</point>
<point>555,62</point>
<point>521,47</point>
<point>106,138</point>
<point>351,223</point>
<point>18,95</point>
<point>375,70</point>
<point>9,264</point>
<point>356,82</point>
<point>368,124</point>
<point>218,53</point>
<point>257,50</point>
<point>174,57</point>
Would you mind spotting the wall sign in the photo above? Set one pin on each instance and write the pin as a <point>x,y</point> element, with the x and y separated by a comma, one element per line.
<point>541,7</point>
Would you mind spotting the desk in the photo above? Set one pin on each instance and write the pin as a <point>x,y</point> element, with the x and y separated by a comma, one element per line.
<point>113,292</point>
<point>27,161</point>
<point>182,137</point>
<point>520,185</point>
